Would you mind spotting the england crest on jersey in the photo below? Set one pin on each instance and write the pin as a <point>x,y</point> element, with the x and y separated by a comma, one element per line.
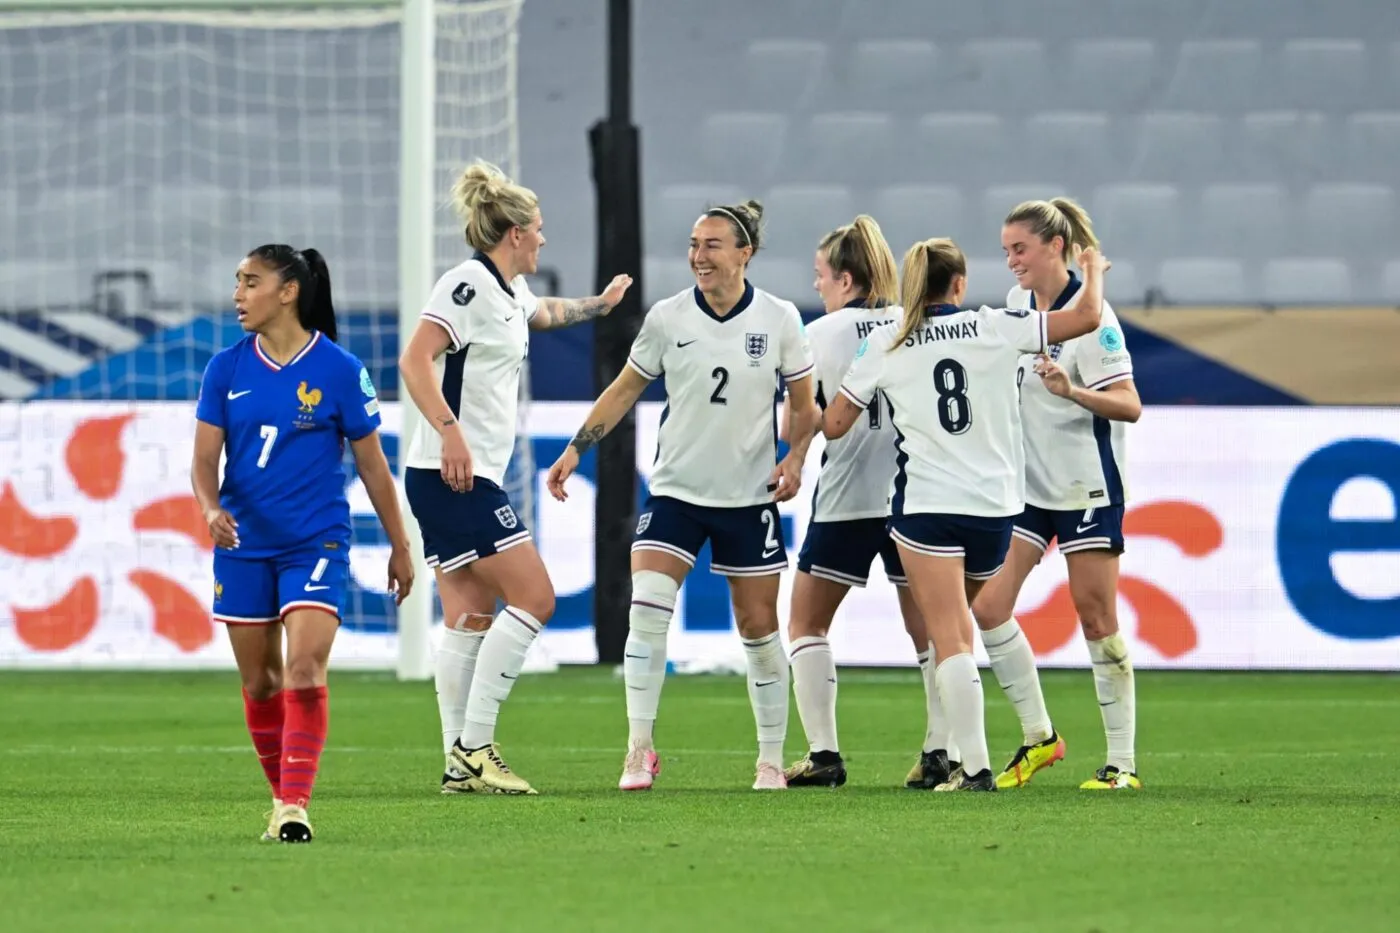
<point>506,516</point>
<point>756,345</point>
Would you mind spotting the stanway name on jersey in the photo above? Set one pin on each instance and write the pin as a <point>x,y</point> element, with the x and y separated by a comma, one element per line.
<point>963,330</point>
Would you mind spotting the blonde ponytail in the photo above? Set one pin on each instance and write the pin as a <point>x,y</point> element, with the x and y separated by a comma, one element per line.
<point>930,266</point>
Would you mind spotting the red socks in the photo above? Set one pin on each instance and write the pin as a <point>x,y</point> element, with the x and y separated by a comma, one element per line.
<point>303,737</point>
<point>265,726</point>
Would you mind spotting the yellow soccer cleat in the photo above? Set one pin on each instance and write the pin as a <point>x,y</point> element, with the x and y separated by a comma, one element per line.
<point>485,765</point>
<point>1029,759</point>
<point>1111,778</point>
<point>270,834</point>
<point>292,824</point>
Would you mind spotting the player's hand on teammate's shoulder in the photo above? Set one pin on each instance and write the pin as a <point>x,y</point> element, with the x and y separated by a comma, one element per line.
<point>400,574</point>
<point>786,479</point>
<point>616,289</point>
<point>456,459</point>
<point>560,472</point>
<point>1052,375</point>
<point>222,528</point>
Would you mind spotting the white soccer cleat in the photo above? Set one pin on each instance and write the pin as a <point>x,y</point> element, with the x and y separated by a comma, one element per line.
<point>769,777</point>
<point>270,834</point>
<point>639,769</point>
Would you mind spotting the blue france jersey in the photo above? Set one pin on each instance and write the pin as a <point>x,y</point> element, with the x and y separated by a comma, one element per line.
<point>284,428</point>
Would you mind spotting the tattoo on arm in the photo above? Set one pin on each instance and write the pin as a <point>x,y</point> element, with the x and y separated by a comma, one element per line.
<point>564,312</point>
<point>446,420</point>
<point>586,438</point>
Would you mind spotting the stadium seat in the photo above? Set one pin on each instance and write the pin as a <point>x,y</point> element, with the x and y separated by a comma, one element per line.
<point>1355,221</point>
<point>1390,284</point>
<point>988,280</point>
<point>909,213</point>
<point>998,75</point>
<point>1138,221</point>
<point>1175,146</point>
<point>299,216</point>
<point>1373,145</point>
<point>667,275</point>
<point>1203,282</point>
<point>1119,70</point>
<point>1286,147</point>
<point>1124,286</point>
<point>895,73</point>
<point>1320,74</point>
<point>1076,148</point>
<point>796,216</point>
<point>33,284</point>
<point>784,74</point>
<point>961,148</point>
<point>788,279</point>
<point>1232,217</point>
<point>837,141</point>
<point>1306,281</point>
<point>743,146</point>
<point>1219,75</point>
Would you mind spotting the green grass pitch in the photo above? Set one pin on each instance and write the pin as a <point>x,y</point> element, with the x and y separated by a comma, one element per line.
<point>134,802</point>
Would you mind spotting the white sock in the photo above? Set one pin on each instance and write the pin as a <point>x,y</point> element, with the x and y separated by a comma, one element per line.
<point>936,735</point>
<point>452,675</point>
<point>1113,682</point>
<point>768,692</point>
<point>960,689</point>
<point>644,656</point>
<point>814,684</point>
<point>1013,663</point>
<point>498,664</point>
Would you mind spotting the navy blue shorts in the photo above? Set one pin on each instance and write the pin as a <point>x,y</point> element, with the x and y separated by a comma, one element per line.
<point>460,527</point>
<point>842,552</point>
<point>744,542</point>
<point>256,591</point>
<point>1099,529</point>
<point>981,542</point>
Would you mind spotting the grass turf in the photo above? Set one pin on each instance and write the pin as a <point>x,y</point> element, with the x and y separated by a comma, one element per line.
<point>134,802</point>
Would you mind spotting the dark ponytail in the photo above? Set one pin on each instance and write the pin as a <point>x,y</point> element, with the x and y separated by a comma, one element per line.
<point>315,308</point>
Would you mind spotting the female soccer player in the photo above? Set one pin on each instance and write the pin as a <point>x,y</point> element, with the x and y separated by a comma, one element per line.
<point>280,404</point>
<point>1073,419</point>
<point>462,369</point>
<point>949,378</point>
<point>858,283</point>
<point>721,348</point>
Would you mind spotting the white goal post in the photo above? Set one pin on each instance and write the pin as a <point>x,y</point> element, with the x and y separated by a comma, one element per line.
<point>456,63</point>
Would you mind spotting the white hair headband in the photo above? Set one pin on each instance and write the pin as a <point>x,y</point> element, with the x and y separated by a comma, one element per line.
<point>735,217</point>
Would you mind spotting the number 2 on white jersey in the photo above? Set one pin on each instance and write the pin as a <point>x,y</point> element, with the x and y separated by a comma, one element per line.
<point>268,433</point>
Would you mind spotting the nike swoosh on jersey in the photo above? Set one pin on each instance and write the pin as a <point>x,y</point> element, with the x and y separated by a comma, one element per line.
<point>687,343</point>
<point>311,589</point>
<point>233,395</point>
<point>1080,529</point>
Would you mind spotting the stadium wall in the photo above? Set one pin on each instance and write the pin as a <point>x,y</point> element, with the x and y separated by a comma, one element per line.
<point>1257,538</point>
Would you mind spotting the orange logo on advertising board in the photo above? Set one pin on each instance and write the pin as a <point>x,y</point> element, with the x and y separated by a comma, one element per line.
<point>1162,621</point>
<point>97,465</point>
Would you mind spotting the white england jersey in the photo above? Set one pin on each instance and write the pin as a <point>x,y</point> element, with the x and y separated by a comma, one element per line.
<point>951,389</point>
<point>856,468</point>
<point>1074,459</point>
<point>488,324</point>
<point>718,439</point>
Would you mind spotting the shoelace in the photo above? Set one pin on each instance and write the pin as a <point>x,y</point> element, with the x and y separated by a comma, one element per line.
<point>636,760</point>
<point>495,757</point>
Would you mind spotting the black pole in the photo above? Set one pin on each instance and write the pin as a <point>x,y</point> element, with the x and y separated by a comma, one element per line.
<point>615,150</point>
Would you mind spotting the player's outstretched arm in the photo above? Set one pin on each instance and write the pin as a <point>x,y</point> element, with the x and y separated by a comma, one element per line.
<point>429,341</point>
<point>803,419</point>
<point>616,400</point>
<point>204,476</point>
<point>374,472</point>
<point>565,312</point>
<point>1087,312</point>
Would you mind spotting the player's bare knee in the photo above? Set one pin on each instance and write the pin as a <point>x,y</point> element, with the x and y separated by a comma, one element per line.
<point>305,671</point>
<point>755,623</point>
<point>991,609</point>
<point>539,604</point>
<point>806,627</point>
<point>1098,622</point>
<point>262,684</point>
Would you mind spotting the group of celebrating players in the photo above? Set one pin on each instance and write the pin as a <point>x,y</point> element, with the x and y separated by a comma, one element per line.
<point>944,457</point>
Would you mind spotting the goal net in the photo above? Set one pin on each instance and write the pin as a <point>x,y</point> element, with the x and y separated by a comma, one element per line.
<point>145,148</point>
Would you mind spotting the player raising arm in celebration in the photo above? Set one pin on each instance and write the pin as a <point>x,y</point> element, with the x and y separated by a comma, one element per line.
<point>949,377</point>
<point>1073,417</point>
<point>280,404</point>
<point>721,348</point>
<point>859,287</point>
<point>462,369</point>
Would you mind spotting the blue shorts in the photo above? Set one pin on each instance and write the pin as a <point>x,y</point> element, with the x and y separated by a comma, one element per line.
<point>744,542</point>
<point>981,542</point>
<point>1099,529</point>
<point>842,552</point>
<point>460,527</point>
<point>256,591</point>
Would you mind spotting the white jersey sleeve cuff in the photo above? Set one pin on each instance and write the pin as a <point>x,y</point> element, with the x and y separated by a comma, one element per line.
<point>1109,380</point>
<point>856,399</point>
<point>799,374</point>
<point>642,369</point>
<point>446,325</point>
<point>1044,323</point>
